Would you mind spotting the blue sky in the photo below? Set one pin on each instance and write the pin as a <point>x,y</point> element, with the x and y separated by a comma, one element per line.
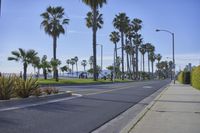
<point>20,28</point>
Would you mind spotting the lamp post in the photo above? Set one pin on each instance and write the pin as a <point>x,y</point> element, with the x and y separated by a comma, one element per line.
<point>158,30</point>
<point>101,56</point>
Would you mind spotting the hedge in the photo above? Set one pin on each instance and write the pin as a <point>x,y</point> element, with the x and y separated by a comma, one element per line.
<point>184,77</point>
<point>195,77</point>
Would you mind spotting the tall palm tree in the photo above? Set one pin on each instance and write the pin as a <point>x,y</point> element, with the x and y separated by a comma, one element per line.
<point>72,62</point>
<point>68,62</point>
<point>36,64</point>
<point>26,57</point>
<point>94,5</point>
<point>45,65</point>
<point>91,61</point>
<point>114,37</point>
<point>137,26</point>
<point>53,23</point>
<point>158,58</point>
<point>54,64</point>
<point>152,59</point>
<point>76,61</point>
<point>142,50</point>
<point>129,50</point>
<point>150,48</point>
<point>120,22</point>
<point>84,64</point>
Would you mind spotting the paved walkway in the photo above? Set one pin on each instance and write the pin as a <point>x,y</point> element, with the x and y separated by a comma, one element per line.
<point>176,110</point>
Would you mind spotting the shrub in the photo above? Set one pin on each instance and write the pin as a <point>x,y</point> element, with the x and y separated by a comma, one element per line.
<point>6,87</point>
<point>195,77</point>
<point>48,91</point>
<point>37,92</point>
<point>25,88</point>
<point>180,77</point>
<point>186,77</point>
<point>55,91</point>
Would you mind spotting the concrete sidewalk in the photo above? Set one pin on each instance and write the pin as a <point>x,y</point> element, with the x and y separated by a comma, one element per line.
<point>176,110</point>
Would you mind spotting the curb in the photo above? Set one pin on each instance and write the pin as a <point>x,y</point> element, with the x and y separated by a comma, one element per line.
<point>135,120</point>
<point>34,99</point>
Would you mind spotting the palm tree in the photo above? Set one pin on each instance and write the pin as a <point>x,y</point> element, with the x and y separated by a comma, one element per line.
<point>137,26</point>
<point>53,22</point>
<point>120,22</point>
<point>150,48</point>
<point>36,64</point>
<point>84,64</point>
<point>158,57</point>
<point>64,69</point>
<point>68,62</point>
<point>152,59</point>
<point>72,62</point>
<point>76,61</point>
<point>142,50</point>
<point>129,50</point>
<point>91,61</point>
<point>26,57</point>
<point>114,37</point>
<point>54,64</point>
<point>45,65</point>
<point>94,5</point>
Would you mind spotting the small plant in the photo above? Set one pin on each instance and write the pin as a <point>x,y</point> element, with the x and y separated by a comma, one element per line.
<point>48,91</point>
<point>6,87</point>
<point>55,91</point>
<point>25,88</point>
<point>37,92</point>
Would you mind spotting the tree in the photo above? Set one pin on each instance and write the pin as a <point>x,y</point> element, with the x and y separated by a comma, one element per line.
<point>120,22</point>
<point>36,64</point>
<point>68,62</point>
<point>94,5</point>
<point>158,57</point>
<point>54,64</point>
<point>84,64</point>
<point>76,61</point>
<point>72,62</point>
<point>142,50</point>
<point>91,61</point>
<point>115,38</point>
<point>26,57</point>
<point>64,69</point>
<point>149,48</point>
<point>53,22</point>
<point>45,65</point>
<point>137,39</point>
<point>152,59</point>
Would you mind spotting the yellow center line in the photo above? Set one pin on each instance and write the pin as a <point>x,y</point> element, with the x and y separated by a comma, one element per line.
<point>116,88</point>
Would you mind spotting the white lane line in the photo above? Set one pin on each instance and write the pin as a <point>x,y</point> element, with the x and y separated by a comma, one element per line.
<point>147,87</point>
<point>40,103</point>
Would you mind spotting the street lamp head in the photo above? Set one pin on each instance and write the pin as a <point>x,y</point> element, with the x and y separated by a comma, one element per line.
<point>157,30</point>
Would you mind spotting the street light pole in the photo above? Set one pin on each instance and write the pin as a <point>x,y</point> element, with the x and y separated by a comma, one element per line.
<point>173,56</point>
<point>101,56</point>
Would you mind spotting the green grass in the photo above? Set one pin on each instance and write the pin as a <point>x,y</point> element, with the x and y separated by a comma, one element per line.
<point>76,81</point>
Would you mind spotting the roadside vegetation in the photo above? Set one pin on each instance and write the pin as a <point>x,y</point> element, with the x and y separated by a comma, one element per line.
<point>190,77</point>
<point>16,87</point>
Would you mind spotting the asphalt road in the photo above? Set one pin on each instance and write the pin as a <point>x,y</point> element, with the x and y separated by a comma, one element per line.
<point>98,105</point>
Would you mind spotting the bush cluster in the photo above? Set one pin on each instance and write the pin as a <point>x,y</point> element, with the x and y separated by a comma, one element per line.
<point>14,86</point>
<point>184,77</point>
<point>195,77</point>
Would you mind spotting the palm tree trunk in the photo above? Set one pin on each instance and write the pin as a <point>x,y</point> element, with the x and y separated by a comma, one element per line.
<point>94,29</point>
<point>54,55</point>
<point>84,68</point>
<point>25,71</point>
<point>115,51</point>
<point>136,48</point>
<point>122,41</point>
<point>148,65</point>
<point>143,62</point>
<point>76,69</point>
<point>152,69</point>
